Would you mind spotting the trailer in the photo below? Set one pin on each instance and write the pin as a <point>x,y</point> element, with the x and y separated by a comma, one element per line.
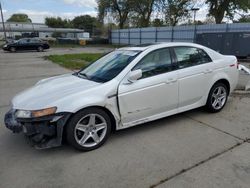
<point>230,43</point>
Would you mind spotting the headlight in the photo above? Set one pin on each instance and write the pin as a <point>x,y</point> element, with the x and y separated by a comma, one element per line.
<point>23,114</point>
<point>5,46</point>
<point>35,113</point>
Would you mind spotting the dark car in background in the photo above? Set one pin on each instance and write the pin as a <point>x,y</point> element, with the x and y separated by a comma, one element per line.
<point>26,44</point>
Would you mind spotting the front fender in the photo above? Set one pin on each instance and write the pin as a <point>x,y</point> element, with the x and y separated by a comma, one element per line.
<point>105,96</point>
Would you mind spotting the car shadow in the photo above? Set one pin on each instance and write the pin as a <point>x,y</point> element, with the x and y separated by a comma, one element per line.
<point>23,144</point>
<point>24,51</point>
<point>145,127</point>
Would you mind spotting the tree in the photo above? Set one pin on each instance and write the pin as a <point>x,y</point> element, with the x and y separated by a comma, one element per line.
<point>86,22</point>
<point>157,22</point>
<point>175,10</point>
<point>119,9</point>
<point>143,10</point>
<point>221,8</point>
<point>57,22</point>
<point>243,19</point>
<point>19,18</point>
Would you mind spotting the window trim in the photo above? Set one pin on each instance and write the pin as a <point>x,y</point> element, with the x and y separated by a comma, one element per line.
<point>171,59</point>
<point>176,60</point>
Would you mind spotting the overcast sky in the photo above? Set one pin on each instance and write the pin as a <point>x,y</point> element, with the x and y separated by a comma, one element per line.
<point>37,10</point>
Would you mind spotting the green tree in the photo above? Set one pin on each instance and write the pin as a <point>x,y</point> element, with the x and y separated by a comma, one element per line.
<point>243,19</point>
<point>175,10</point>
<point>142,11</point>
<point>86,22</point>
<point>119,9</point>
<point>221,8</point>
<point>57,22</point>
<point>157,22</point>
<point>19,18</point>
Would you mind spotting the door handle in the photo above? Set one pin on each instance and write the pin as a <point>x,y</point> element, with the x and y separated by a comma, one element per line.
<point>208,71</point>
<point>172,80</point>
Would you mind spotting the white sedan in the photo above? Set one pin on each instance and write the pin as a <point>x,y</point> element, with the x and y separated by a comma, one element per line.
<point>126,87</point>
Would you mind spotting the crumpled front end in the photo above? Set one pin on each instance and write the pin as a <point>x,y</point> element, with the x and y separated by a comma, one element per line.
<point>44,132</point>
<point>11,122</point>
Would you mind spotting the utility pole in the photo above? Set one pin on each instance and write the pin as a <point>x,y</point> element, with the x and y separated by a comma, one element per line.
<point>195,29</point>
<point>4,31</point>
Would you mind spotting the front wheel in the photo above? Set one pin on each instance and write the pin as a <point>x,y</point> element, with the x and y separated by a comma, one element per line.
<point>88,129</point>
<point>217,97</point>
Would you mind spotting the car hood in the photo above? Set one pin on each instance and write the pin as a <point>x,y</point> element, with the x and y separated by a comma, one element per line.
<point>46,92</point>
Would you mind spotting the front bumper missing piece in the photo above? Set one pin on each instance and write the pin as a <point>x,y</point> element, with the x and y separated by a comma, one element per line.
<point>44,132</point>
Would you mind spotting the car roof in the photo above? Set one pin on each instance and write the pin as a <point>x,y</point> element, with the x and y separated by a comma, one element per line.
<point>154,46</point>
<point>143,47</point>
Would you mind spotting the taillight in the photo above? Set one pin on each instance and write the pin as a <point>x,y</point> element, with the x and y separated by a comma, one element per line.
<point>233,65</point>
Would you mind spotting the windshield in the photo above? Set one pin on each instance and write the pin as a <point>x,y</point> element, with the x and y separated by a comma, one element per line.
<point>109,66</point>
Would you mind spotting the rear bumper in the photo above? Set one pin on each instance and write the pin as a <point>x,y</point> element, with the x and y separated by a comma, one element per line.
<point>44,132</point>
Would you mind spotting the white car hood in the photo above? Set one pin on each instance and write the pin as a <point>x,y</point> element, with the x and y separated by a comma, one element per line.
<point>46,92</point>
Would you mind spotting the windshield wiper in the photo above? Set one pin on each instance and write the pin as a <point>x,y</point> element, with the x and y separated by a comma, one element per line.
<point>84,75</point>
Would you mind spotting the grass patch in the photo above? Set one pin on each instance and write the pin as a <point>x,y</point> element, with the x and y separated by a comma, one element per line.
<point>74,61</point>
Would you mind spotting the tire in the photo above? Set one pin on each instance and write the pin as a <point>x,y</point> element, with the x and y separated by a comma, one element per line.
<point>217,97</point>
<point>12,49</point>
<point>40,49</point>
<point>88,129</point>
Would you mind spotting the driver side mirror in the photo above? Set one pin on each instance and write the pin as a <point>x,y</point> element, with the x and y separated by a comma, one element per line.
<point>134,75</point>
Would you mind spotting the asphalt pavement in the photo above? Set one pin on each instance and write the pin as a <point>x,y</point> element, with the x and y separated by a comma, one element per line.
<point>192,149</point>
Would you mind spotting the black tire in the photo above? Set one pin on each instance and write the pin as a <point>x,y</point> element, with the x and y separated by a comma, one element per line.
<point>12,49</point>
<point>209,105</point>
<point>40,49</point>
<point>71,128</point>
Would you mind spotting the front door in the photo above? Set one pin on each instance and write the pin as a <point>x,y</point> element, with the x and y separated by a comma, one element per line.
<point>156,92</point>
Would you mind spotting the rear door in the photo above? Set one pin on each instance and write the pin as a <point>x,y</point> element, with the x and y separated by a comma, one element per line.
<point>195,71</point>
<point>156,92</point>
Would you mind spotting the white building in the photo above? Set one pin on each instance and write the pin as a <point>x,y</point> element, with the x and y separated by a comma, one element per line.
<point>40,30</point>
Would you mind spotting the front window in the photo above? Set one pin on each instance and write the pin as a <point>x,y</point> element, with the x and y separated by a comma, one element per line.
<point>156,62</point>
<point>109,66</point>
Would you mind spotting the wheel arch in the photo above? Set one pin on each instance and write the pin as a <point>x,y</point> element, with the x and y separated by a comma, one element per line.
<point>219,80</point>
<point>110,114</point>
<point>225,82</point>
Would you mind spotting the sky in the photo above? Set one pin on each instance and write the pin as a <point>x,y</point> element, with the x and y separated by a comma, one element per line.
<point>37,10</point>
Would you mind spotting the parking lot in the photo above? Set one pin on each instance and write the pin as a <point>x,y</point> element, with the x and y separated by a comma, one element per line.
<point>192,149</point>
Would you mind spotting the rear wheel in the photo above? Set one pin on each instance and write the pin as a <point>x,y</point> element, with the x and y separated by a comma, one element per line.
<point>88,129</point>
<point>12,49</point>
<point>40,49</point>
<point>217,97</point>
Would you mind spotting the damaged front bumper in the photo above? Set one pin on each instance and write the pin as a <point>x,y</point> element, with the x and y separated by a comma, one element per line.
<point>44,132</point>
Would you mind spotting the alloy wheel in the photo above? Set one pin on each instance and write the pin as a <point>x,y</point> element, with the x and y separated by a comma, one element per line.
<point>90,130</point>
<point>219,97</point>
